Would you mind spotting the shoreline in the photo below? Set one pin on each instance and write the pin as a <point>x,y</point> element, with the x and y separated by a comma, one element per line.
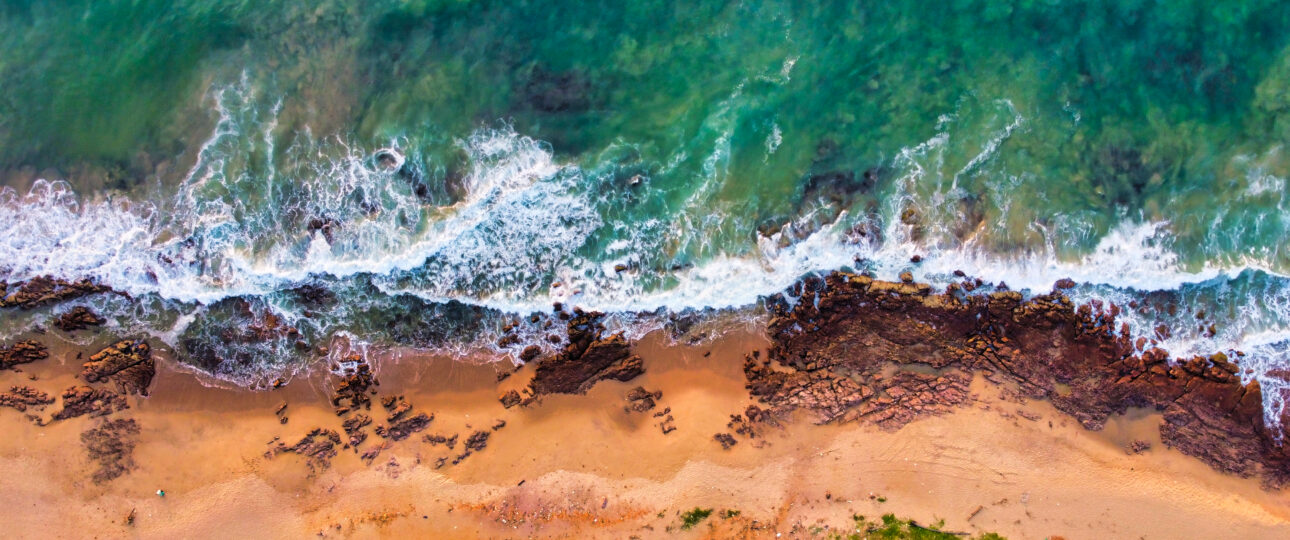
<point>584,465</point>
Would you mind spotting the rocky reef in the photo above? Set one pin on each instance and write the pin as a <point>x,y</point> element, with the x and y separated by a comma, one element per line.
<point>40,291</point>
<point>857,349</point>
<point>589,357</point>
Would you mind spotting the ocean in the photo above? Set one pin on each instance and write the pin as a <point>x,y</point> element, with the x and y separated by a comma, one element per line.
<point>426,173</point>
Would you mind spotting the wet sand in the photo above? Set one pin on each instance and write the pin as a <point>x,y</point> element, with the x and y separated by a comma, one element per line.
<point>582,466</point>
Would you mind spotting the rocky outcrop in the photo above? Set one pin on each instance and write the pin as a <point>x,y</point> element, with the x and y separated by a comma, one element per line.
<point>22,352</point>
<point>22,397</point>
<point>78,318</point>
<point>886,353</point>
<point>588,358</point>
<point>641,400</point>
<point>45,290</point>
<point>128,364</point>
<point>318,447</point>
<point>86,400</point>
<point>111,447</point>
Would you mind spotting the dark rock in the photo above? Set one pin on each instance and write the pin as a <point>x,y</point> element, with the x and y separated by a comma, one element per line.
<point>477,441</point>
<point>21,397</point>
<point>668,425</point>
<point>404,428</point>
<point>318,447</point>
<point>352,391</point>
<point>887,353</point>
<point>111,446</point>
<point>587,359</point>
<point>45,290</point>
<point>127,363</point>
<point>353,427</point>
<point>640,400</point>
<point>22,352</point>
<point>1064,283</point>
<point>726,440</point>
<point>450,442</point>
<point>510,399</point>
<point>79,318</point>
<point>530,353</point>
<point>85,400</point>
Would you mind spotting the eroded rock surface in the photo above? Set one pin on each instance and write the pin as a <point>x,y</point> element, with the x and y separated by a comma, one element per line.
<point>318,447</point>
<point>886,352</point>
<point>86,400</point>
<point>78,318</point>
<point>588,358</point>
<point>45,290</point>
<point>128,364</point>
<point>22,352</point>
<point>22,397</point>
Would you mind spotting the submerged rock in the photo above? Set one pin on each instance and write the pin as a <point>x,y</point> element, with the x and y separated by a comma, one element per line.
<point>111,446</point>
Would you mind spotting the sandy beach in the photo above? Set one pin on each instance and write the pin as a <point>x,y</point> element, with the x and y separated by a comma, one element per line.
<point>582,466</point>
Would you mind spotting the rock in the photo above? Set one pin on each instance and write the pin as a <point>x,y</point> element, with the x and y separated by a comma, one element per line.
<point>79,318</point>
<point>351,392</point>
<point>510,399</point>
<point>556,91</point>
<point>450,442</point>
<point>887,354</point>
<point>21,397</point>
<point>726,440</point>
<point>1064,283</point>
<point>22,352</point>
<point>668,425</point>
<point>640,400</point>
<point>127,363</point>
<point>587,359</point>
<point>477,441</point>
<point>906,277</point>
<point>353,427</point>
<point>404,428</point>
<point>111,446</point>
<point>86,400</point>
<point>530,353</point>
<point>45,290</point>
<point>318,447</point>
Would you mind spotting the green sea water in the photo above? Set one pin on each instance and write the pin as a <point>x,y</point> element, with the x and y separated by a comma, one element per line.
<point>459,155</point>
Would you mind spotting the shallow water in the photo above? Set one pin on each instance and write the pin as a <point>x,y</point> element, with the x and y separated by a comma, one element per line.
<point>437,167</point>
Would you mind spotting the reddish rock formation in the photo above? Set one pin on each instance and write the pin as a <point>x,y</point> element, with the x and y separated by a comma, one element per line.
<point>353,427</point>
<point>356,380</point>
<point>22,352</point>
<point>404,427</point>
<point>510,399</point>
<point>79,318</point>
<point>318,447</point>
<point>887,352</point>
<point>21,397</point>
<point>127,363</point>
<point>587,359</point>
<point>640,400</point>
<point>83,400</point>
<point>111,446</point>
<point>45,290</point>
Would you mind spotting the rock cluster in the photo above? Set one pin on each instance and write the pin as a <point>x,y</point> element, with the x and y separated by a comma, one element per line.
<point>21,397</point>
<point>588,358</point>
<point>87,400</point>
<point>22,352</point>
<point>45,290</point>
<point>78,318</point>
<point>886,352</point>
<point>128,364</point>
<point>318,447</point>
<point>640,400</point>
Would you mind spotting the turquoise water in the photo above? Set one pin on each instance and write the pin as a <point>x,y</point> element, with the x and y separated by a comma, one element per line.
<point>439,166</point>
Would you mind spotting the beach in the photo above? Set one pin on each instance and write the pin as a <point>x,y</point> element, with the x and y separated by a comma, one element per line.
<point>582,466</point>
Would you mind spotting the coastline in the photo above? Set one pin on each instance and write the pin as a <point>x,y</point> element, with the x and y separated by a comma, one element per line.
<point>582,465</point>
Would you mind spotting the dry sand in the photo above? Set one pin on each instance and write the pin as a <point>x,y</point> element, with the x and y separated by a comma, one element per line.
<point>581,466</point>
